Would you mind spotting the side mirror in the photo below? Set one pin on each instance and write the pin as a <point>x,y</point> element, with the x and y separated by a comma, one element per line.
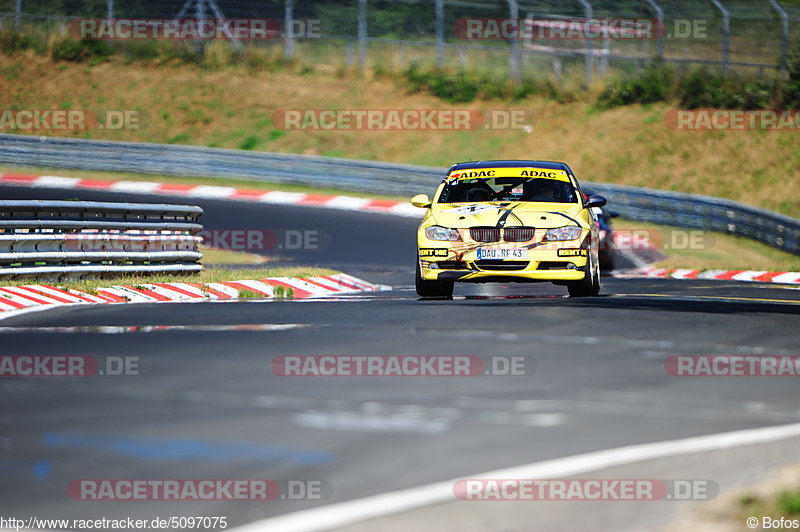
<point>421,200</point>
<point>595,201</point>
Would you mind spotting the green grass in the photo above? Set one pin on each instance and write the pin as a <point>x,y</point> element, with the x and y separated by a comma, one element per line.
<point>215,256</point>
<point>225,107</point>
<point>712,250</point>
<point>785,503</point>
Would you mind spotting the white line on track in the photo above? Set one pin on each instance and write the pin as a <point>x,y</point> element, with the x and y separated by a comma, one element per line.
<point>346,513</point>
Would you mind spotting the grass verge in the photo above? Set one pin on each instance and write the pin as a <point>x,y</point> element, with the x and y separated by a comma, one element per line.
<point>221,257</point>
<point>775,495</point>
<point>708,250</point>
<point>631,145</point>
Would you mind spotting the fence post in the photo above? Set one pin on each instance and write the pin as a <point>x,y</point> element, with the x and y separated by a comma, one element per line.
<point>661,28</point>
<point>288,30</point>
<point>200,10</point>
<point>18,15</point>
<point>110,9</point>
<point>587,10</point>
<point>362,35</point>
<point>606,51</point>
<point>513,60</point>
<point>440,33</point>
<point>784,36</point>
<point>726,35</point>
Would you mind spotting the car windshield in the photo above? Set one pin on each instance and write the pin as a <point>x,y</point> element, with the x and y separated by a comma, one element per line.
<point>508,189</point>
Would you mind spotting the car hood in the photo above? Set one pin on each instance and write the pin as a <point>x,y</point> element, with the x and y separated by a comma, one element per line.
<point>488,214</point>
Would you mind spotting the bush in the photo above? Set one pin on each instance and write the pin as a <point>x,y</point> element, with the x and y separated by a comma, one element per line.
<point>757,95</point>
<point>703,89</point>
<point>654,85</point>
<point>791,91</point>
<point>135,50</point>
<point>69,49</point>
<point>12,41</point>
<point>249,143</point>
<point>455,88</point>
<point>464,87</point>
<point>789,502</point>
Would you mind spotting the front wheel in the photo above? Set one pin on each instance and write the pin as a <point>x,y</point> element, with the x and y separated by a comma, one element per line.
<point>590,285</point>
<point>432,288</point>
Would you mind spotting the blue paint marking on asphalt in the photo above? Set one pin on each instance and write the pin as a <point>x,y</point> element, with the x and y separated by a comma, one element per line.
<point>183,449</point>
<point>40,470</point>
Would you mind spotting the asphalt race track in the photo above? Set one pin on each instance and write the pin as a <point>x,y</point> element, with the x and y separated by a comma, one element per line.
<point>207,405</point>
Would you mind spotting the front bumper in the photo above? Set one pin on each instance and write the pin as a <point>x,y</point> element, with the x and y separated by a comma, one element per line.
<point>548,265</point>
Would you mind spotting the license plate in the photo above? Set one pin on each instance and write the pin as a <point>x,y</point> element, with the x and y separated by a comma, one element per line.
<point>502,254</point>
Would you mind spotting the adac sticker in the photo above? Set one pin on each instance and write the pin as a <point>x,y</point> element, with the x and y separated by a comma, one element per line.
<point>485,173</point>
<point>571,252</point>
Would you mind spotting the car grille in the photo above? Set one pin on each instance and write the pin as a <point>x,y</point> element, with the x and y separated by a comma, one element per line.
<point>493,234</point>
<point>518,234</point>
<point>502,265</point>
<point>451,265</point>
<point>484,234</point>
<point>546,265</point>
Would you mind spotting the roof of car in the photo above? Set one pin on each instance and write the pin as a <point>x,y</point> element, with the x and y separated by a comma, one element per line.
<point>550,165</point>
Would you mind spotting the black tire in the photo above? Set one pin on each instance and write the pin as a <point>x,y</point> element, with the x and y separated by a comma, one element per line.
<point>443,289</point>
<point>607,262</point>
<point>590,285</point>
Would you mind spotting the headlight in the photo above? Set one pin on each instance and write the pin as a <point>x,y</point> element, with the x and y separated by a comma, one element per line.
<point>437,232</point>
<point>562,233</point>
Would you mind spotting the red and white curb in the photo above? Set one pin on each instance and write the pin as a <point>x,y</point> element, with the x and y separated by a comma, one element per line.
<point>760,276</point>
<point>26,297</point>
<point>277,197</point>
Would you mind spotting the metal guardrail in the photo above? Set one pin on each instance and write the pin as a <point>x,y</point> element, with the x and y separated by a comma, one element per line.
<point>77,238</point>
<point>662,207</point>
<point>702,212</point>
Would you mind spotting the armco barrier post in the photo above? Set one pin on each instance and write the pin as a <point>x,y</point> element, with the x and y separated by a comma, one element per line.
<point>362,35</point>
<point>587,10</point>
<point>784,62</point>
<point>660,20</point>
<point>726,35</point>
<point>288,30</point>
<point>440,33</point>
<point>513,60</point>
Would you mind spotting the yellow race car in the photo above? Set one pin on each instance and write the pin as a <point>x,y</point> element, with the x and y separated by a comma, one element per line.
<point>508,221</point>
